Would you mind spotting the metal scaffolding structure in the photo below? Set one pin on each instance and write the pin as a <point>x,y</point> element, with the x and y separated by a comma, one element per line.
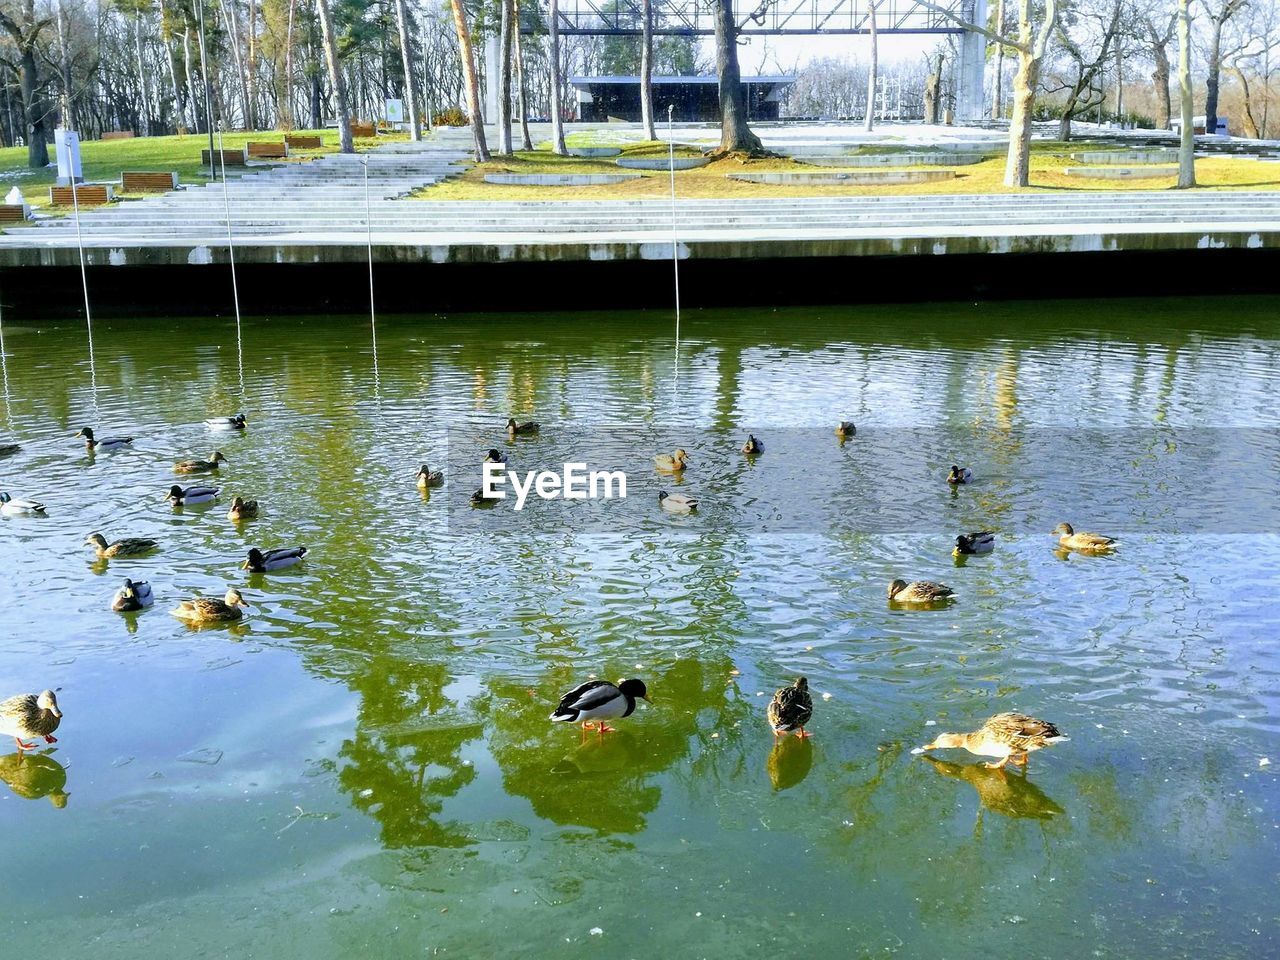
<point>762,17</point>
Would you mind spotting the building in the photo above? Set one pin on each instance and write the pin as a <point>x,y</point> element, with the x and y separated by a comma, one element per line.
<point>695,98</point>
<point>1198,125</point>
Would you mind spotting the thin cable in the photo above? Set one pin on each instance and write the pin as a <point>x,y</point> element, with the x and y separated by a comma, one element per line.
<point>84,285</point>
<point>373,318</point>
<point>4,372</point>
<point>675,239</point>
<point>231,254</point>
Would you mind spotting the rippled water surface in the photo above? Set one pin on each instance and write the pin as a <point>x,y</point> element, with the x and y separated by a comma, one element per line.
<point>364,766</point>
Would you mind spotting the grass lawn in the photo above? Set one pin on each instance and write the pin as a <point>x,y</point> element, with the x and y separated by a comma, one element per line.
<point>103,160</point>
<point>1049,160</point>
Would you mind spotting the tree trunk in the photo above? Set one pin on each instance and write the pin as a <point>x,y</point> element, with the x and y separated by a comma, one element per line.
<point>337,81</point>
<point>1160,79</point>
<point>167,37</point>
<point>522,85</point>
<point>557,111</point>
<point>997,91</point>
<point>145,106</point>
<point>196,124</point>
<point>469,76</point>
<point>1064,125</point>
<point>410,84</point>
<point>285,83</point>
<point>735,134</point>
<point>504,81</point>
<point>251,121</point>
<point>870,122</point>
<point>37,148</point>
<point>1212,76</point>
<point>231,24</point>
<point>1119,82</point>
<point>933,91</point>
<point>65,94</point>
<point>1187,142</point>
<point>1031,49</point>
<point>646,72</point>
<point>1247,119</point>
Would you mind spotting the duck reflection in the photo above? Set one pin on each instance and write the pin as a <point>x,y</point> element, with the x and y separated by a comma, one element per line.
<point>1001,791</point>
<point>789,762</point>
<point>34,776</point>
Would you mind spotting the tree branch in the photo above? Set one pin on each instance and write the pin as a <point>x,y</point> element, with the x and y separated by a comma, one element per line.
<point>989,34</point>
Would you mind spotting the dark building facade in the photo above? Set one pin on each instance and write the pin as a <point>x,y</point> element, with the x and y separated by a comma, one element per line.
<point>695,98</point>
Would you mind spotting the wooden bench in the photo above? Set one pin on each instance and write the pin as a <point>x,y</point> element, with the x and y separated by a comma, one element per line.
<point>147,181</point>
<point>300,142</point>
<point>266,150</point>
<point>118,135</point>
<point>86,194</point>
<point>232,158</point>
<point>359,129</point>
<point>12,213</point>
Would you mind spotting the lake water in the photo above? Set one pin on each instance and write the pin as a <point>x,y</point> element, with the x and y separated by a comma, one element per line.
<point>365,764</point>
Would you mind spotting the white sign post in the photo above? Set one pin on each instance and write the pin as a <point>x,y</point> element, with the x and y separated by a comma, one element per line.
<point>395,111</point>
<point>66,144</point>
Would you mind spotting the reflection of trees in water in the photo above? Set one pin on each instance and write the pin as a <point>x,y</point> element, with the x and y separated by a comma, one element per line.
<point>402,765</point>
<point>602,784</point>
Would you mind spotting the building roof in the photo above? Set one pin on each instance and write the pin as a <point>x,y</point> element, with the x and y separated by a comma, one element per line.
<point>659,81</point>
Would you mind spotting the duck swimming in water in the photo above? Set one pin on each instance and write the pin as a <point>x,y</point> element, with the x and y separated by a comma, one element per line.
<point>790,709</point>
<point>1083,542</point>
<point>495,456</point>
<point>278,559</point>
<point>677,502</point>
<point>236,422</point>
<point>242,509</point>
<point>1009,736</point>
<point>671,462</point>
<point>94,445</point>
<point>180,497</point>
<point>128,547</point>
<point>599,700</point>
<point>201,466</point>
<point>919,591</point>
<point>133,596</point>
<point>28,716</point>
<point>971,543</point>
<point>20,507</point>
<point>212,609</point>
<point>427,477</point>
<point>521,429</point>
<point>959,475</point>
<point>752,447</point>
<point>846,429</point>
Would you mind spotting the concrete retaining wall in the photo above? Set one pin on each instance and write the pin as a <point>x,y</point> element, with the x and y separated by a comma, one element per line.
<point>558,179</point>
<point>854,178</point>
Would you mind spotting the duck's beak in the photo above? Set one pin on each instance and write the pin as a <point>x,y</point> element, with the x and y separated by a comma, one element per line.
<point>245,565</point>
<point>56,712</point>
<point>919,750</point>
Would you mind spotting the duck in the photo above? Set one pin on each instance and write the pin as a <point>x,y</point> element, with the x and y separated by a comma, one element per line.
<point>846,429</point>
<point>211,609</point>
<point>790,709</point>
<point>1086,542</point>
<point>983,541</point>
<point>180,497</point>
<point>677,502</point>
<point>107,443</point>
<point>1009,736</point>
<point>20,507</point>
<point>242,509</point>
<point>134,595</point>
<point>919,591</point>
<point>673,462</point>
<point>200,466</point>
<point>9,449</point>
<point>495,456</point>
<point>959,475</point>
<point>599,700</point>
<point>521,429</point>
<point>429,478</point>
<point>479,498</point>
<point>28,716</point>
<point>278,559</point>
<point>128,547</point>
<point>237,422</point>
<point>752,447</point>
<point>32,776</point>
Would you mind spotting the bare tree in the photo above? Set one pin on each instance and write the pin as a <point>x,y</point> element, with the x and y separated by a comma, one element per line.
<point>504,79</point>
<point>329,40</point>
<point>997,84</point>
<point>1187,141</point>
<point>870,122</point>
<point>1218,14</point>
<point>467,56</point>
<point>526,142</point>
<point>1155,26</point>
<point>1086,36</point>
<point>557,79</point>
<point>646,71</point>
<point>25,32</point>
<point>735,132</point>
<point>410,85</point>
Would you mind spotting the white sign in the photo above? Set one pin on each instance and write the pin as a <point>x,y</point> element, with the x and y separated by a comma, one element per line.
<point>395,111</point>
<point>67,145</point>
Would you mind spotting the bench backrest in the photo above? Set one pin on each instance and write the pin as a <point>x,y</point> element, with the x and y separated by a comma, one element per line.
<point>144,181</point>
<point>303,142</point>
<point>359,129</point>
<point>86,194</point>
<point>232,158</point>
<point>12,213</point>
<point>118,135</point>
<point>259,148</point>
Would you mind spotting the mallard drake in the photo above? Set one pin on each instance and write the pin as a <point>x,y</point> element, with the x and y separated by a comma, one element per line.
<point>671,463</point>
<point>959,475</point>
<point>495,456</point>
<point>34,776</point>
<point>791,708</point>
<point>128,547</point>
<point>600,700</point>
<point>28,716</point>
<point>278,559</point>
<point>237,422</point>
<point>752,447</point>
<point>429,478</point>
<point>19,507</point>
<point>180,497</point>
<point>9,449</point>
<point>134,595</point>
<point>1084,542</point>
<point>846,429</point>
<point>677,502</point>
<point>521,429</point>
<point>107,443</point>
<point>200,466</point>
<point>919,591</point>
<point>1009,736</point>
<point>480,499</point>
<point>242,509</point>
<point>970,543</point>
<point>211,609</point>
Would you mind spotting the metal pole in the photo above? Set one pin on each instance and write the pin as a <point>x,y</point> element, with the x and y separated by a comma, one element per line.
<point>231,255</point>
<point>675,240</point>
<point>208,91</point>
<point>84,286</point>
<point>368,236</point>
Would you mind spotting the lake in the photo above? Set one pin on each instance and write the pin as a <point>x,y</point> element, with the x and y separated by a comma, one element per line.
<point>365,764</point>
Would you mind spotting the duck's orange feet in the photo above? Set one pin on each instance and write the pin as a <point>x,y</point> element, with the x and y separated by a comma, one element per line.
<point>24,746</point>
<point>55,740</point>
<point>605,728</point>
<point>804,734</point>
<point>588,726</point>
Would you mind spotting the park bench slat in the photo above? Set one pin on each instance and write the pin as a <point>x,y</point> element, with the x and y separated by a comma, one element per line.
<point>148,181</point>
<point>86,194</point>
